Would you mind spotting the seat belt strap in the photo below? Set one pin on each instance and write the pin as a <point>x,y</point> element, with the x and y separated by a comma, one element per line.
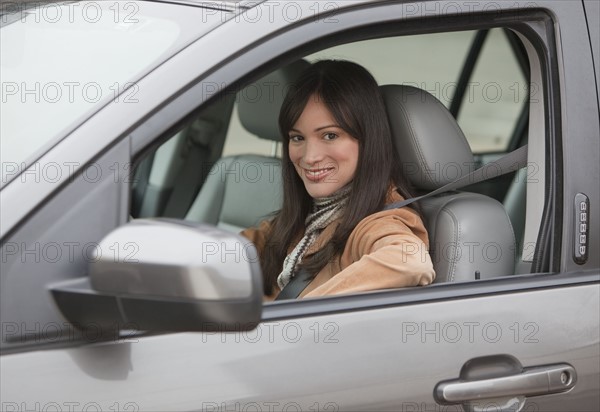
<point>295,286</point>
<point>510,162</point>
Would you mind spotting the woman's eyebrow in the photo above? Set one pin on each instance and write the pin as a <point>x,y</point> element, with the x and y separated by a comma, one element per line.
<point>327,127</point>
<point>317,129</point>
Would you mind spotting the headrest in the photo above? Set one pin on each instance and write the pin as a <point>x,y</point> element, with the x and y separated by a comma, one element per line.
<point>432,147</point>
<point>260,102</point>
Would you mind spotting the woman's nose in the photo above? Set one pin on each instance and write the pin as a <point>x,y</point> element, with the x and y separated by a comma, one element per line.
<point>313,153</point>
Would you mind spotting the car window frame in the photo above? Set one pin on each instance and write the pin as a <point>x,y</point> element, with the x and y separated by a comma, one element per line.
<point>523,25</point>
<point>474,56</point>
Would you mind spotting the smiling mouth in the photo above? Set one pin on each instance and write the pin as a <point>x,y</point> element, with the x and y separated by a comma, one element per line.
<point>317,174</point>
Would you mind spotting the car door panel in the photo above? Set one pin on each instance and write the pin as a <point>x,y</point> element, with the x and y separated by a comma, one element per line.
<point>57,243</point>
<point>381,359</point>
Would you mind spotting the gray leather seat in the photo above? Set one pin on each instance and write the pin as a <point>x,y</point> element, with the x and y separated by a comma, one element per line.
<point>242,190</point>
<point>468,232</point>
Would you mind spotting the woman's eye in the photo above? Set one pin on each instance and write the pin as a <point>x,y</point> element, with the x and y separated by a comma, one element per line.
<point>330,136</point>
<point>296,138</point>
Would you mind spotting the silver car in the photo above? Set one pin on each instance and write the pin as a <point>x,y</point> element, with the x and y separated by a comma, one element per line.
<point>139,137</point>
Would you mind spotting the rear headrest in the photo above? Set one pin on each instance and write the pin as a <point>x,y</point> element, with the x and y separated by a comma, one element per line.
<point>432,147</point>
<point>260,102</point>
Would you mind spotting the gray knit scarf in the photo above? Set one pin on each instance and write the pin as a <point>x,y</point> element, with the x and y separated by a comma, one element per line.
<point>325,210</point>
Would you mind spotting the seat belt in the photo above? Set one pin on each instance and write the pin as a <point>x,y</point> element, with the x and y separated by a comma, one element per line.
<point>510,162</point>
<point>295,286</point>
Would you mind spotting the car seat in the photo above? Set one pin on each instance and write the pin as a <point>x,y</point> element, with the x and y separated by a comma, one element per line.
<point>242,190</point>
<point>470,235</point>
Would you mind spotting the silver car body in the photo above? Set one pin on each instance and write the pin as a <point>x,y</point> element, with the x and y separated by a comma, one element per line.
<point>374,351</point>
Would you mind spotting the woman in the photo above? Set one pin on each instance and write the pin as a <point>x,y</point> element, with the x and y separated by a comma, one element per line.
<point>342,171</point>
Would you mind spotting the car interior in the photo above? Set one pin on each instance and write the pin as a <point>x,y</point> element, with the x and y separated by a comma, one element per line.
<point>223,167</point>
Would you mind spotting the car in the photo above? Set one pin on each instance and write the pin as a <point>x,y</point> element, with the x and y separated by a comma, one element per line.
<point>139,137</point>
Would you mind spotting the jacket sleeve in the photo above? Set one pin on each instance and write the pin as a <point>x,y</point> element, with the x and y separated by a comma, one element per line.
<point>258,235</point>
<point>382,252</point>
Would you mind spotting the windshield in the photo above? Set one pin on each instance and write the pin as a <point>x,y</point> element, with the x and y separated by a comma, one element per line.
<point>60,62</point>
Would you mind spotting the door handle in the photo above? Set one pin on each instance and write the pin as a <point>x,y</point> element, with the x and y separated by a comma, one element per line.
<point>538,380</point>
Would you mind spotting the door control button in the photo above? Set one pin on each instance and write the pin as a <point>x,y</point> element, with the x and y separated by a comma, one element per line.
<point>581,236</point>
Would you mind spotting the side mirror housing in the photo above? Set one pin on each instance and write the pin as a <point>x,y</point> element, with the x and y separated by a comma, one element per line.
<point>168,275</point>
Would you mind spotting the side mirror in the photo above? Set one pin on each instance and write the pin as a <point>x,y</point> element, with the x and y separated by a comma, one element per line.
<point>167,275</point>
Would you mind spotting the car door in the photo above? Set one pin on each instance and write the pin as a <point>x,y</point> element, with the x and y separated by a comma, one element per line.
<point>387,350</point>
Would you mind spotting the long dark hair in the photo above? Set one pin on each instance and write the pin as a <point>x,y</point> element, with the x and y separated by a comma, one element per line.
<point>352,96</point>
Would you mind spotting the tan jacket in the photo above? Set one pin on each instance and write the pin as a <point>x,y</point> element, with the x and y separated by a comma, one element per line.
<point>388,249</point>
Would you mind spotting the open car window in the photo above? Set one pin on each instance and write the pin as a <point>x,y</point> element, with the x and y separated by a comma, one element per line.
<point>482,76</point>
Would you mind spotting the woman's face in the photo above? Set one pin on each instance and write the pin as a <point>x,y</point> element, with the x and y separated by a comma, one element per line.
<point>324,155</point>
